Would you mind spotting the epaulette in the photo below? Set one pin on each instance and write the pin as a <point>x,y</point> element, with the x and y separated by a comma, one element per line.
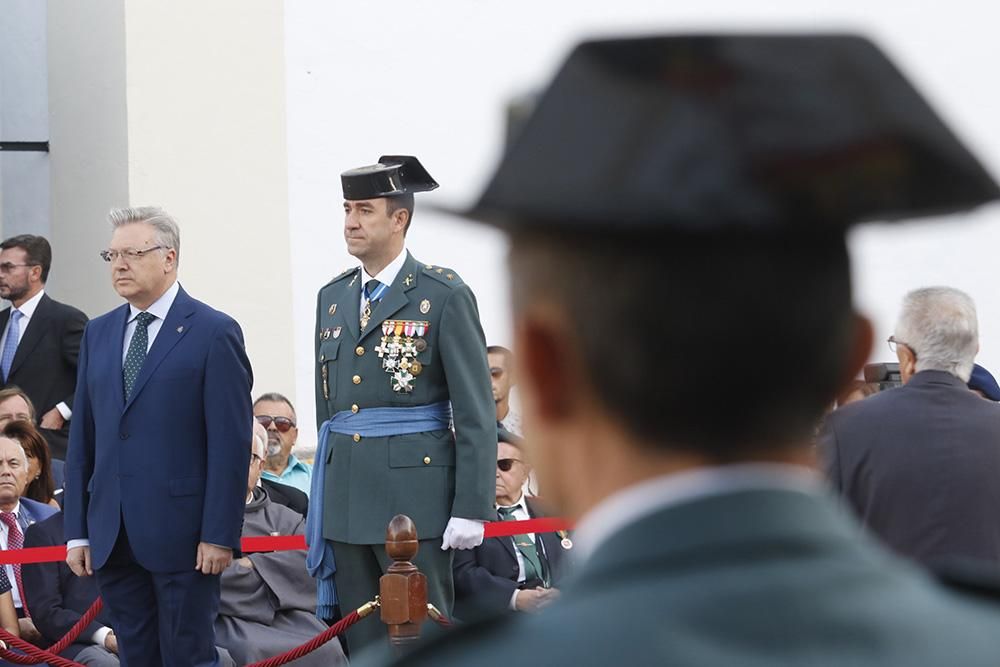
<point>343,275</point>
<point>446,276</point>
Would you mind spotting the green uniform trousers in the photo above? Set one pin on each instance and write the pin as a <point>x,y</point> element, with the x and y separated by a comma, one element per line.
<point>359,567</point>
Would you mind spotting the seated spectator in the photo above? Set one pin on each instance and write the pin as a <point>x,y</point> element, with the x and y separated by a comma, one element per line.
<point>919,464</point>
<point>40,487</point>
<point>521,572</point>
<point>983,383</point>
<point>16,405</point>
<point>268,599</point>
<point>57,599</point>
<point>277,414</point>
<point>16,514</point>
<point>280,493</point>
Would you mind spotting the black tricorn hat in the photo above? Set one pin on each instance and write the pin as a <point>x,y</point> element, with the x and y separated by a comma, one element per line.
<point>730,132</point>
<point>392,175</point>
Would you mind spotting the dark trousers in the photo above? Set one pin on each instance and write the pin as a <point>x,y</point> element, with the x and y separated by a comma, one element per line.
<point>159,618</point>
<point>359,567</point>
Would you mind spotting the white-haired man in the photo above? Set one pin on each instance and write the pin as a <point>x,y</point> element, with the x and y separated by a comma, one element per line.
<point>920,464</point>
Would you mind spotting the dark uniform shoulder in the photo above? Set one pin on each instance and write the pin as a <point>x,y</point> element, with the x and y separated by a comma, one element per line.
<point>442,274</point>
<point>342,276</point>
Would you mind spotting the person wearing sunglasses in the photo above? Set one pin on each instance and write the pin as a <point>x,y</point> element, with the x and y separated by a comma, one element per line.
<point>520,573</point>
<point>277,414</point>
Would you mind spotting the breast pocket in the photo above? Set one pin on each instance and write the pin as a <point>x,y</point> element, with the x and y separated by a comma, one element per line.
<point>328,352</point>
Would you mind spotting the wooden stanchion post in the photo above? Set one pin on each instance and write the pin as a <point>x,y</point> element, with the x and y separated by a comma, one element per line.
<point>403,588</point>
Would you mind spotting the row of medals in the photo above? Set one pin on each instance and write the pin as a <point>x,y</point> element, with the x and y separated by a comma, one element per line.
<point>402,341</point>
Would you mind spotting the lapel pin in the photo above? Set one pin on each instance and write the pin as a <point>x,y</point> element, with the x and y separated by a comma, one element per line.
<point>425,306</point>
<point>409,280</point>
<point>180,329</point>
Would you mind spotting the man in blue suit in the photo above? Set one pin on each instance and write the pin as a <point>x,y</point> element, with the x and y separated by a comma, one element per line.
<point>156,470</point>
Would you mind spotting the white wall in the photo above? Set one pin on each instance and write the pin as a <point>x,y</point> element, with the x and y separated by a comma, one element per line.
<point>432,79</point>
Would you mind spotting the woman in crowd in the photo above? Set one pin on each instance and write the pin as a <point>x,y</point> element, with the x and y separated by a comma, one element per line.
<point>40,486</point>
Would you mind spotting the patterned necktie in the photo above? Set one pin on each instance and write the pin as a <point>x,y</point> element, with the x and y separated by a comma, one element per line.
<point>532,563</point>
<point>136,352</point>
<point>10,345</point>
<point>374,290</point>
<point>15,540</point>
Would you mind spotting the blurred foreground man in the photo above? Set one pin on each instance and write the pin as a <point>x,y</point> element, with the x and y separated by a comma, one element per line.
<point>692,194</point>
<point>400,357</point>
<point>920,464</point>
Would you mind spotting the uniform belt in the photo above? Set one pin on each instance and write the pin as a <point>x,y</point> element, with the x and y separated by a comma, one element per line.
<point>383,422</point>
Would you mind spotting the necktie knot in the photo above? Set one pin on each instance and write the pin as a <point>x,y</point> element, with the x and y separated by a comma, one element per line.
<point>144,319</point>
<point>9,519</point>
<point>16,315</point>
<point>507,513</point>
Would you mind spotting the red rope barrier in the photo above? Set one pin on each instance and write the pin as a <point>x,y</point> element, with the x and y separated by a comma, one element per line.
<point>37,655</point>
<point>312,644</point>
<point>292,542</point>
<point>34,655</point>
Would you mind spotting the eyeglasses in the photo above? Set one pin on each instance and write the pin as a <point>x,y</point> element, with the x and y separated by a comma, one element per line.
<point>280,423</point>
<point>129,254</point>
<point>506,464</point>
<point>893,344</point>
<point>7,267</point>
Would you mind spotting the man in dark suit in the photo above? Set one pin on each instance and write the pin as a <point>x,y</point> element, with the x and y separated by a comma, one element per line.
<point>58,599</point>
<point>677,209</point>
<point>521,572</point>
<point>156,473</point>
<point>16,514</point>
<point>920,464</point>
<point>41,337</point>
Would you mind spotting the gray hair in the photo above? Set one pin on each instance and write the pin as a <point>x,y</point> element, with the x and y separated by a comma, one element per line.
<point>939,324</point>
<point>168,234</point>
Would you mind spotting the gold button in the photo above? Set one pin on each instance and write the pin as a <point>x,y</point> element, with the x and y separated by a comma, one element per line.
<point>356,379</point>
<point>322,357</point>
<point>359,350</point>
<point>355,408</point>
<point>427,460</point>
<point>357,437</point>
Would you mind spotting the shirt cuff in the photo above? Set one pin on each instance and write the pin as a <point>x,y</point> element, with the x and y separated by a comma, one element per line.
<point>513,600</point>
<point>73,544</point>
<point>100,636</point>
<point>64,410</point>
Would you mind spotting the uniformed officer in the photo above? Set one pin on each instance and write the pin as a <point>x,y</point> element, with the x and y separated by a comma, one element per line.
<point>400,357</point>
<point>677,208</point>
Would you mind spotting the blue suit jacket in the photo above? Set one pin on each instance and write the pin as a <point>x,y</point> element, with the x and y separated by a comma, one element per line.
<point>172,461</point>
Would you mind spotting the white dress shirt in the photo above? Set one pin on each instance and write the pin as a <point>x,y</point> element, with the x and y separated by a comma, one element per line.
<point>386,276</point>
<point>520,514</point>
<point>159,309</point>
<point>638,501</point>
<point>3,545</point>
<point>27,312</point>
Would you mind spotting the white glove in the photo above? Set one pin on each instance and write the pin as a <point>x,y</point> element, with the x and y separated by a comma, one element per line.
<point>462,534</point>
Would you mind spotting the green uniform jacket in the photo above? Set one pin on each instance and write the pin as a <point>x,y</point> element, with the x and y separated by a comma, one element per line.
<point>429,476</point>
<point>762,578</point>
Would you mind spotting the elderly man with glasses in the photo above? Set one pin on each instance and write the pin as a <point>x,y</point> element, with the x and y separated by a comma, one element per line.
<point>920,463</point>
<point>519,573</point>
<point>277,414</point>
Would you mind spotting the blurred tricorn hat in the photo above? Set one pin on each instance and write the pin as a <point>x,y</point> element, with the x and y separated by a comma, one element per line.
<point>710,133</point>
<point>392,175</point>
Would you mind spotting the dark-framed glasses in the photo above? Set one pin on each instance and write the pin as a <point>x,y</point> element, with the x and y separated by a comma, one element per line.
<point>506,464</point>
<point>128,254</point>
<point>280,423</point>
<point>7,267</point>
